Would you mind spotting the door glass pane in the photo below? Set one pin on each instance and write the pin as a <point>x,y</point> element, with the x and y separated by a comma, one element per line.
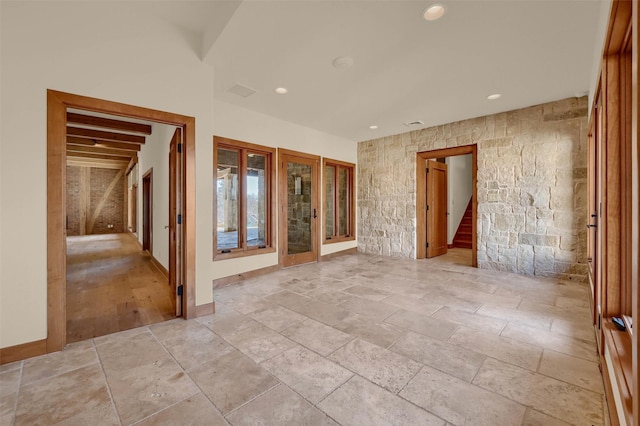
<point>256,200</point>
<point>343,201</point>
<point>227,208</point>
<point>299,208</point>
<point>329,179</point>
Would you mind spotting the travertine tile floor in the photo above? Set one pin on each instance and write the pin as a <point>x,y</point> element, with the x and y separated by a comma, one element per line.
<point>358,340</point>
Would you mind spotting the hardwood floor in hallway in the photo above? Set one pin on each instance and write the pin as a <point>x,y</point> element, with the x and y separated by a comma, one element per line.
<point>112,285</point>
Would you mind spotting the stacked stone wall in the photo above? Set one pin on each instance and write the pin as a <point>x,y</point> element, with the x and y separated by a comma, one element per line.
<point>531,186</point>
<point>299,208</point>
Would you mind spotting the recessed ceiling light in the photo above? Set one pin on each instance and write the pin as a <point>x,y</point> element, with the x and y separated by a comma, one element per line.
<point>433,12</point>
<point>281,90</point>
<point>343,62</point>
<point>373,127</point>
<point>494,96</point>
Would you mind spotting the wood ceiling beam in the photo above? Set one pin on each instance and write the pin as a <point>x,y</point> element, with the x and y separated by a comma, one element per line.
<point>124,158</point>
<point>72,140</point>
<point>96,162</point>
<point>108,123</point>
<point>100,150</point>
<point>104,136</point>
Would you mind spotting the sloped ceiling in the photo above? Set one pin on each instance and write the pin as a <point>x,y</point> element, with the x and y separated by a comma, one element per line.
<point>405,68</point>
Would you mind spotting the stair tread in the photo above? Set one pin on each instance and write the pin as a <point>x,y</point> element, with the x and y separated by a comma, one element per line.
<point>464,234</point>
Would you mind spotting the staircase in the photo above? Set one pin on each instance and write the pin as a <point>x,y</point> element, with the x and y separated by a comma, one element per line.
<point>464,233</point>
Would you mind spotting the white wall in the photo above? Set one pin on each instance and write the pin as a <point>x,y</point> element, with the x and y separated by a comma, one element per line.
<point>93,49</point>
<point>238,123</point>
<point>601,35</point>
<point>154,154</point>
<point>459,189</point>
<point>109,51</point>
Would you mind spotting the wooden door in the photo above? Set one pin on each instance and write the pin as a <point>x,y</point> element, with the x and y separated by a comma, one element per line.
<point>298,207</point>
<point>147,211</point>
<point>175,185</point>
<point>437,214</point>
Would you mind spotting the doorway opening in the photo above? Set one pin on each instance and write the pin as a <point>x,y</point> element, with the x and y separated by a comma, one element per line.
<point>433,236</point>
<point>118,279</point>
<point>58,104</point>
<point>298,207</point>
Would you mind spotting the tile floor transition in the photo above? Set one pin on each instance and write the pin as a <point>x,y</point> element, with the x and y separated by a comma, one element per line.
<point>358,340</point>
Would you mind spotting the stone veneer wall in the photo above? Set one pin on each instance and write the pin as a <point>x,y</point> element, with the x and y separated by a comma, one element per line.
<point>299,209</point>
<point>532,188</point>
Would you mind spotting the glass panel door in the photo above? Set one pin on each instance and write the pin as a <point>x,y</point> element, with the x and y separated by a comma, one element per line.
<point>298,207</point>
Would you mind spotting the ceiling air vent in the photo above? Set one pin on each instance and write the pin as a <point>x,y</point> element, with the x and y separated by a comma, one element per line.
<point>240,90</point>
<point>414,123</point>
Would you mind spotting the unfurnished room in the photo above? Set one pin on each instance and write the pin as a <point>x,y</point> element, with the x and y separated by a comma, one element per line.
<point>241,212</point>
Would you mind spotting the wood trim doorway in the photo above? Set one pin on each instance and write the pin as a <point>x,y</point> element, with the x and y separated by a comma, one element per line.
<point>421,202</point>
<point>57,105</point>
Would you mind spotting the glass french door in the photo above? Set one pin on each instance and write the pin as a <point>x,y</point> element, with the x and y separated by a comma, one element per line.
<point>298,207</point>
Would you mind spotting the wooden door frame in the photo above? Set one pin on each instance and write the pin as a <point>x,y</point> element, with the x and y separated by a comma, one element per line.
<point>618,222</point>
<point>635,208</point>
<point>147,222</point>
<point>421,194</point>
<point>57,105</point>
<point>282,198</point>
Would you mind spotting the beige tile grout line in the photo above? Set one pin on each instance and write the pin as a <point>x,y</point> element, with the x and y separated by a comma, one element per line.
<point>224,416</point>
<point>390,346</point>
<point>15,405</point>
<point>106,382</point>
<point>186,373</point>
<point>345,381</point>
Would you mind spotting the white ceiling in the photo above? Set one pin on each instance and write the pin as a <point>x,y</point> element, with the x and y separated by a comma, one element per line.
<point>406,68</point>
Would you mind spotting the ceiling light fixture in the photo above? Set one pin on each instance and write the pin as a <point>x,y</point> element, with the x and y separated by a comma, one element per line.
<point>494,96</point>
<point>433,12</point>
<point>281,90</point>
<point>374,127</point>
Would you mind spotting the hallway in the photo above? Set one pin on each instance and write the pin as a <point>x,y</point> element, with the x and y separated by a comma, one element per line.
<point>112,285</point>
